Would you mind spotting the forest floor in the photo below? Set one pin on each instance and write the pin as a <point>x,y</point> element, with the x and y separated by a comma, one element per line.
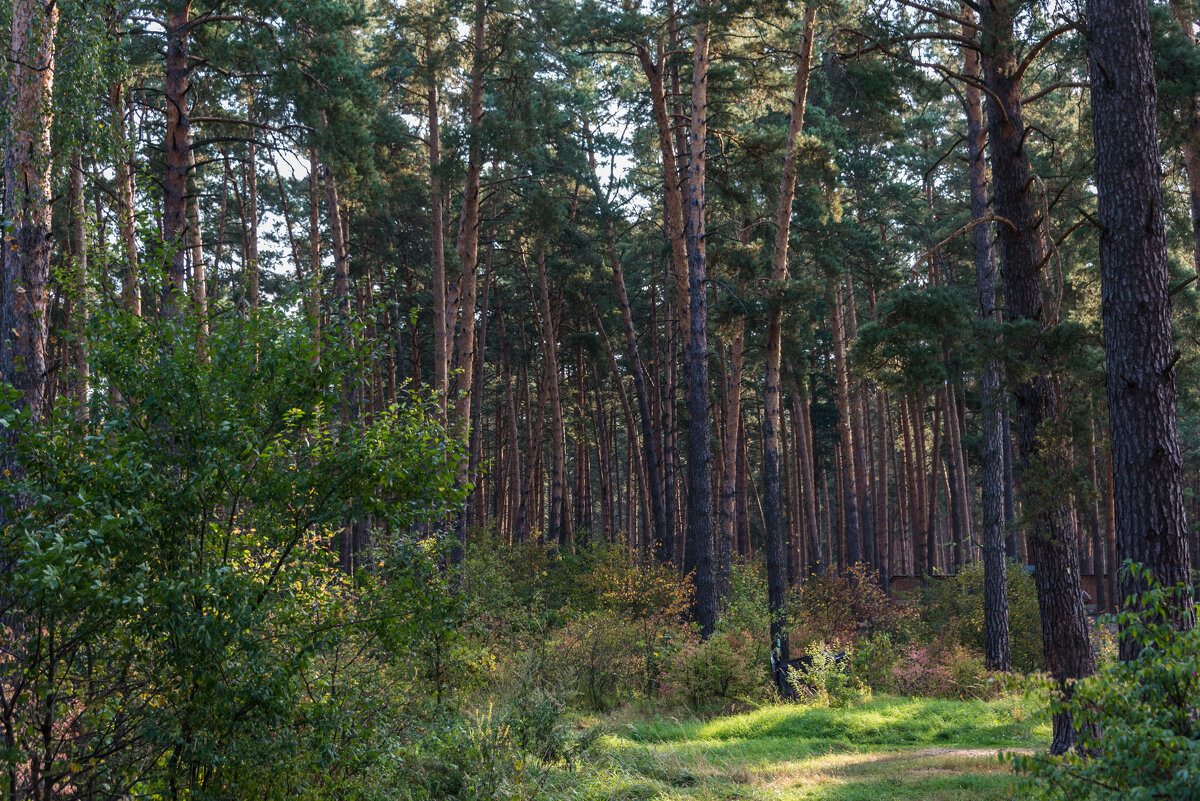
<point>881,749</point>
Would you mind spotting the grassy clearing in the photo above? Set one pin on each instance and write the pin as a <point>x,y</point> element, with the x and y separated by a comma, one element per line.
<point>885,748</point>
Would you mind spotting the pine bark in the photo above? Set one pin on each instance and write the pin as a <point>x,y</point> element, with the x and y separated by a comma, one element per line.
<point>556,530</point>
<point>775,546</point>
<point>253,280</point>
<point>1185,14</point>
<point>664,546</point>
<point>441,333</point>
<point>997,647</point>
<point>1051,536</point>
<point>24,289</point>
<point>177,147</point>
<point>698,561</point>
<point>1139,353</point>
<point>79,315</point>
<point>131,295</point>
<point>850,521</point>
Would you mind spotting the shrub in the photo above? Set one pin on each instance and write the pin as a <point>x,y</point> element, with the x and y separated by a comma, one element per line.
<point>1139,720</point>
<point>193,626</point>
<point>720,672</point>
<point>497,753</point>
<point>595,659</point>
<point>827,680</point>
<point>952,612</point>
<point>934,670</point>
<point>745,607</point>
<point>653,599</point>
<point>874,659</point>
<point>838,609</point>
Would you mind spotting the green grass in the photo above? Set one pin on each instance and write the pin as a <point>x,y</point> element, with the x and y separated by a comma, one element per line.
<point>884,748</point>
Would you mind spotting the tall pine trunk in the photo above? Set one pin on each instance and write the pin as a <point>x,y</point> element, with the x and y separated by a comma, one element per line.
<point>1139,354</point>
<point>777,580</point>
<point>24,290</point>
<point>698,561</point>
<point>997,647</point>
<point>1051,535</point>
<point>177,147</point>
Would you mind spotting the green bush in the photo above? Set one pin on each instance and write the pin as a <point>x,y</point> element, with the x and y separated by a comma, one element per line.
<point>828,679</point>
<point>1139,720</point>
<point>179,553</point>
<point>596,661</point>
<point>952,611</point>
<point>500,752</point>
<point>720,673</point>
<point>838,609</point>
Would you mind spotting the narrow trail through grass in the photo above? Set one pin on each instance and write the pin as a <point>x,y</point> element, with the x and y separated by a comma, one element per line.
<point>884,748</point>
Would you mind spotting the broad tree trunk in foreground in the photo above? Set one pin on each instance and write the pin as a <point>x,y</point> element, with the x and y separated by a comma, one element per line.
<point>24,295</point>
<point>1139,354</point>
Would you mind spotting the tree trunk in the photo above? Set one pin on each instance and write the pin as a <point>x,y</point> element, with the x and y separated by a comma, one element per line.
<point>866,525</point>
<point>131,294</point>
<point>672,194</point>
<point>1185,15</point>
<point>1139,354</point>
<point>462,306</point>
<point>251,266</point>
<point>24,297</point>
<point>177,148</point>
<point>731,414</point>
<point>199,277</point>
<point>777,583</point>
<point>1051,538</point>
<point>664,546</point>
<point>802,414</point>
<point>341,286</point>
<point>441,332</point>
<point>849,496</point>
<point>1099,573</point>
<point>314,258</point>
<point>79,317</point>
<point>698,561</point>
<point>997,648</point>
<point>475,452</point>
<point>556,531</point>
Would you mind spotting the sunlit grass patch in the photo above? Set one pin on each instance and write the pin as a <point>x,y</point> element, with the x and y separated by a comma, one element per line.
<point>885,748</point>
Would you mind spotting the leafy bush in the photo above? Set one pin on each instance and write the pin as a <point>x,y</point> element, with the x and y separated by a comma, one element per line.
<point>952,612</point>
<point>653,599</point>
<point>745,607</point>
<point>1139,720</point>
<point>179,551</point>
<point>827,679</point>
<point>939,671</point>
<point>595,659</point>
<point>874,659</point>
<point>719,673</point>
<point>498,753</point>
<point>839,608</point>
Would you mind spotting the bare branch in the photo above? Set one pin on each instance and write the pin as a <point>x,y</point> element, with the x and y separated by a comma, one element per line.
<point>974,223</point>
<point>1039,47</point>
